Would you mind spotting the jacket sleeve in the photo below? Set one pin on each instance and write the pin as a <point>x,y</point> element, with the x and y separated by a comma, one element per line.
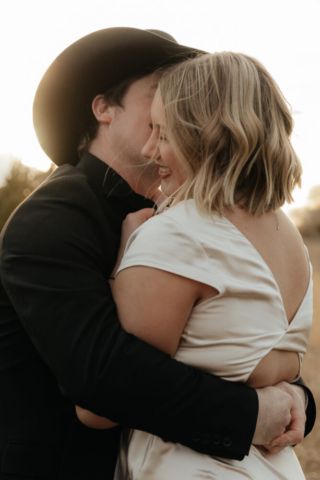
<point>311,407</point>
<point>54,268</point>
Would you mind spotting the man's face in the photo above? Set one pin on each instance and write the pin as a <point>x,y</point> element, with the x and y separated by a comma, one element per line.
<point>158,148</point>
<point>129,131</point>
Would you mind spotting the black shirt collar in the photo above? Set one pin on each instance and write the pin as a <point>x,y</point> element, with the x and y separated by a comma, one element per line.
<point>110,183</point>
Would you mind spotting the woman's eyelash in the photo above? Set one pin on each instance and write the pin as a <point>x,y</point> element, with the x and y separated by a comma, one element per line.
<point>161,137</point>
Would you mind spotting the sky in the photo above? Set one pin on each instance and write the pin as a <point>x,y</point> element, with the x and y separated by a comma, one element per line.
<point>283,34</point>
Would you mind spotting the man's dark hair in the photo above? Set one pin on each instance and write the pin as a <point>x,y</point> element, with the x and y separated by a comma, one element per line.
<point>113,97</point>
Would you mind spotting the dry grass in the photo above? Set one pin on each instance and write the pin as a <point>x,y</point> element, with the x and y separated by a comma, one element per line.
<point>309,451</point>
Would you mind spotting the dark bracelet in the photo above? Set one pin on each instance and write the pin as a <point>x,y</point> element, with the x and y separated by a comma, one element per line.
<point>111,278</point>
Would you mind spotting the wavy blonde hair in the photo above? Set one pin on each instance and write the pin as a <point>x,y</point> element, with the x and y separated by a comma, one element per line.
<point>230,126</point>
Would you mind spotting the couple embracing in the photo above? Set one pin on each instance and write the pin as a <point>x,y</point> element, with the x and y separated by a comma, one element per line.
<point>177,332</point>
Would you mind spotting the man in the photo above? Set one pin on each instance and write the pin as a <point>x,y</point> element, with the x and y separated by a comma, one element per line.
<point>61,342</point>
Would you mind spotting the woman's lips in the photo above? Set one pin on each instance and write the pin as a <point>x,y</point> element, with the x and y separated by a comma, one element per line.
<point>164,172</point>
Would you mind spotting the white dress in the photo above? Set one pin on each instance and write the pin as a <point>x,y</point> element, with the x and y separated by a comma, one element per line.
<point>226,335</point>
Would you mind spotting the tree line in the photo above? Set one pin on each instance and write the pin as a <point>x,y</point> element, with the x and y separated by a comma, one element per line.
<point>18,185</point>
<point>23,180</point>
<point>307,218</point>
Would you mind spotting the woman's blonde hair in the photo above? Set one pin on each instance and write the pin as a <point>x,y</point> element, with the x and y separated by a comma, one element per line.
<point>230,126</point>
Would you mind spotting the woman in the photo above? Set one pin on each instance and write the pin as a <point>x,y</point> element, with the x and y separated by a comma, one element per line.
<point>223,272</point>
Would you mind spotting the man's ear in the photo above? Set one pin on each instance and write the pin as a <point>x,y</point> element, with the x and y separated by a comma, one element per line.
<point>101,110</point>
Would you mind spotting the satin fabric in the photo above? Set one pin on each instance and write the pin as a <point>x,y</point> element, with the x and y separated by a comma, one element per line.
<point>226,336</point>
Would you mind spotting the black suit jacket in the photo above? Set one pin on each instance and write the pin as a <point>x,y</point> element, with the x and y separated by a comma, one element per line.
<point>61,343</point>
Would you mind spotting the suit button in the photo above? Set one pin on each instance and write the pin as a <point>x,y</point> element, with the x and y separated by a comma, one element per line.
<point>216,439</point>
<point>206,438</point>
<point>196,436</point>
<point>227,441</point>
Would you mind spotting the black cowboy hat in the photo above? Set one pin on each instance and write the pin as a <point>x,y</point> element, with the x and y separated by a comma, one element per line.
<point>88,67</point>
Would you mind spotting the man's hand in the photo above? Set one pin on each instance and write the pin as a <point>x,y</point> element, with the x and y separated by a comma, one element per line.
<point>295,430</point>
<point>275,405</point>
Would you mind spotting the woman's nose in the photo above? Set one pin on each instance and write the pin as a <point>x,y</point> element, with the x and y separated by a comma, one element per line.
<point>150,148</point>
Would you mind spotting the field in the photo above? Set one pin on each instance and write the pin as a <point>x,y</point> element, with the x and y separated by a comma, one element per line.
<point>309,451</point>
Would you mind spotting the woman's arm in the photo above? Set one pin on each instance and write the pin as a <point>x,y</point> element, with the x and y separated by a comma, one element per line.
<point>152,304</point>
<point>155,305</point>
<point>91,420</point>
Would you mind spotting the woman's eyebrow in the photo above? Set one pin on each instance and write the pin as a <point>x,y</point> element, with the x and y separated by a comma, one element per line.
<point>152,91</point>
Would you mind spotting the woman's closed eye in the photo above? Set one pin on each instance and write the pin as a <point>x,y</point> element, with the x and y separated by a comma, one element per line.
<point>162,137</point>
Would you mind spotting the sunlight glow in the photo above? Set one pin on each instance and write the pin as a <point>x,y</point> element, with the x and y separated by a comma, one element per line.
<point>29,43</point>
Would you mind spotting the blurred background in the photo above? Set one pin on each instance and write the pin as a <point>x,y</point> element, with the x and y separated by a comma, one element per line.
<point>283,34</point>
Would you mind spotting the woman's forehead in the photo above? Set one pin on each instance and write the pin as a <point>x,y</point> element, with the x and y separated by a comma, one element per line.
<point>157,112</point>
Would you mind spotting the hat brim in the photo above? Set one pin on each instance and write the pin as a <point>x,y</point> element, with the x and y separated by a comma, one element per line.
<point>86,68</point>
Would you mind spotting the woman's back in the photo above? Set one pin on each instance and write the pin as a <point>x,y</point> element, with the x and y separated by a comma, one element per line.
<point>280,245</point>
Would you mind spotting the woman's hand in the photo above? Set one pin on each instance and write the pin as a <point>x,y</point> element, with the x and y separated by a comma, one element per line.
<point>134,221</point>
<point>130,225</point>
<point>92,420</point>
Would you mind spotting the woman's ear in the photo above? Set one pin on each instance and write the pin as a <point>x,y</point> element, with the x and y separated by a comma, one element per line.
<point>101,110</point>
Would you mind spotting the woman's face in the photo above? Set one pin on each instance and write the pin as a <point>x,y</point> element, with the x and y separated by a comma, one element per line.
<point>158,148</point>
